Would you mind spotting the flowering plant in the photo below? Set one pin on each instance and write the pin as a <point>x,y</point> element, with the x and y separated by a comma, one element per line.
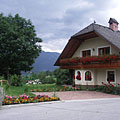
<point>108,87</point>
<point>26,99</point>
<point>88,77</point>
<point>78,77</point>
<point>90,59</point>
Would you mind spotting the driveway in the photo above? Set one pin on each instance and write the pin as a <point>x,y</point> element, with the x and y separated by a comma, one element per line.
<point>98,109</point>
<point>78,95</point>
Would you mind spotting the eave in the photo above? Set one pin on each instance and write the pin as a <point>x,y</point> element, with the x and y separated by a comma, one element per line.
<point>73,45</point>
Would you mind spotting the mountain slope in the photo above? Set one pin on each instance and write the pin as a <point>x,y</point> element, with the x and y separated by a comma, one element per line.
<point>45,62</point>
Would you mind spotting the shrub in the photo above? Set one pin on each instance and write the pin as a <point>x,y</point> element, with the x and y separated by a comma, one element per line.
<point>109,88</point>
<point>15,80</point>
<point>62,76</point>
<point>46,78</point>
<point>49,80</point>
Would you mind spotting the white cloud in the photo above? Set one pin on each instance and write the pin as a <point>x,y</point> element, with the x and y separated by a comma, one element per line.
<point>47,35</point>
<point>115,11</point>
<point>82,4</point>
<point>54,45</point>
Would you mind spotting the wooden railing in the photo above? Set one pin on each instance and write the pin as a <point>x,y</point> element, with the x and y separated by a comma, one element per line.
<point>1,81</point>
<point>111,61</point>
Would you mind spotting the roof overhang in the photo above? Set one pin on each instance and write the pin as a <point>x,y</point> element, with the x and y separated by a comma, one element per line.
<point>73,45</point>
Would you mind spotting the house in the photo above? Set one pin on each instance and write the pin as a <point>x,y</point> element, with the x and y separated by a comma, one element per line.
<point>93,55</point>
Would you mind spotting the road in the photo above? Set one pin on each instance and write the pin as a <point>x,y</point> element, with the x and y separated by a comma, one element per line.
<point>99,109</point>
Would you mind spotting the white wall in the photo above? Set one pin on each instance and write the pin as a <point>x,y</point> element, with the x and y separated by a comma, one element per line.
<point>98,76</point>
<point>93,43</point>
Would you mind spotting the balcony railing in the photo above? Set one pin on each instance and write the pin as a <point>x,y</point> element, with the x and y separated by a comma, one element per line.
<point>91,61</point>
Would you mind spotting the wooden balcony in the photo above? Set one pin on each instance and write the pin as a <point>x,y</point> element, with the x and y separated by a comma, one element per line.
<point>109,62</point>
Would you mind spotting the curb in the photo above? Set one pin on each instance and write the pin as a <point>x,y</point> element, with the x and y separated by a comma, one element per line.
<point>51,102</point>
<point>28,104</point>
<point>85,100</point>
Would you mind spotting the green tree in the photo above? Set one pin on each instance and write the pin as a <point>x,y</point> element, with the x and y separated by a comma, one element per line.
<point>18,45</point>
<point>46,77</point>
<point>62,75</point>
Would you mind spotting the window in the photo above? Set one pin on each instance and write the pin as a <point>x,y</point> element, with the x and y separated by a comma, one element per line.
<point>111,76</point>
<point>88,76</point>
<point>86,53</point>
<point>78,76</point>
<point>104,51</point>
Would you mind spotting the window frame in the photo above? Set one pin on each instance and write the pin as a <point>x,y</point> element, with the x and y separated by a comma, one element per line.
<point>103,47</point>
<point>81,51</point>
<point>91,76</point>
<point>114,75</point>
<point>76,74</point>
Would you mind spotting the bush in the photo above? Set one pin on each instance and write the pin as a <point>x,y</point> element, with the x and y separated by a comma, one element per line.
<point>49,80</point>
<point>62,76</point>
<point>46,77</point>
<point>15,80</point>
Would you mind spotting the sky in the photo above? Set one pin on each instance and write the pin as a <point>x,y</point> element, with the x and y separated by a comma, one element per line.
<point>56,21</point>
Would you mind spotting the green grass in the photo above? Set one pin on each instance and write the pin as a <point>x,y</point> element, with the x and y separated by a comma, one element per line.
<point>27,89</point>
<point>43,87</point>
<point>16,91</point>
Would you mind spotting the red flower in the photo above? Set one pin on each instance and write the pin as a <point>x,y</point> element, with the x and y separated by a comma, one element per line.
<point>109,81</point>
<point>112,85</point>
<point>88,77</point>
<point>78,77</point>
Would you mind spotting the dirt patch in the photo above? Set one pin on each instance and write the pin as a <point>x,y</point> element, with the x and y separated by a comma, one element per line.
<point>78,95</point>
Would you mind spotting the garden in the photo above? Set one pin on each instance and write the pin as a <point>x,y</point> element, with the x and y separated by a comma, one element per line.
<point>22,87</point>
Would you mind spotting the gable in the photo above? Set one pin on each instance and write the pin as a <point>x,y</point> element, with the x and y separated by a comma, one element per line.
<point>93,43</point>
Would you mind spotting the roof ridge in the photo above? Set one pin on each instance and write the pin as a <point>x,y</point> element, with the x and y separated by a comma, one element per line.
<point>82,30</point>
<point>106,27</point>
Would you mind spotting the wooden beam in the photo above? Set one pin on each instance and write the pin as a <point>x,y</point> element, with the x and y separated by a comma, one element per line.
<point>114,65</point>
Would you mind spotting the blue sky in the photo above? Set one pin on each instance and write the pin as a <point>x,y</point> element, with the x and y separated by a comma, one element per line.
<point>57,20</point>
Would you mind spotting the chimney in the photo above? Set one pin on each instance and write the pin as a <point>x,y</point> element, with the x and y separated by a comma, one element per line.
<point>113,24</point>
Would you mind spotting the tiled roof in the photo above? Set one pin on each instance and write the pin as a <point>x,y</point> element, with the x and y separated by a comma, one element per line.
<point>107,33</point>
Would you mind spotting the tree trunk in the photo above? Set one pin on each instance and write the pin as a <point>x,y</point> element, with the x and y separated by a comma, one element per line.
<point>8,75</point>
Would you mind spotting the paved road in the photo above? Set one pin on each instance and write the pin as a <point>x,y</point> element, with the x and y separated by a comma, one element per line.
<point>99,109</point>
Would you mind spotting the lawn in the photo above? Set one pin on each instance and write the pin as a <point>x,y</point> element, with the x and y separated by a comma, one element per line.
<point>28,89</point>
<point>16,91</point>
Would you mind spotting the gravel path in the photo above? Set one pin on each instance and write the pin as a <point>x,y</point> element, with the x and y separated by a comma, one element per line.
<point>78,95</point>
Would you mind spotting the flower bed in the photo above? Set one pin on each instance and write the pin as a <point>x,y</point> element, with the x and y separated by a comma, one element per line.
<point>90,59</point>
<point>109,88</point>
<point>8,100</point>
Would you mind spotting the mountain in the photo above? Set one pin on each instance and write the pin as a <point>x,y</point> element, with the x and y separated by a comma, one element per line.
<point>45,62</point>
